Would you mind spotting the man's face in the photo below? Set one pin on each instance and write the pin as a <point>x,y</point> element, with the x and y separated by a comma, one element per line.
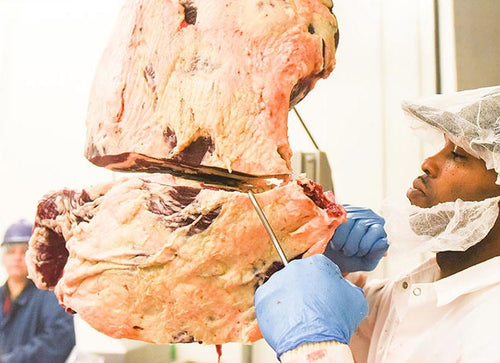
<point>14,262</point>
<point>451,174</point>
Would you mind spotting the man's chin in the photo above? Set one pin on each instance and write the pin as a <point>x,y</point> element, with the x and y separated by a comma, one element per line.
<point>417,198</point>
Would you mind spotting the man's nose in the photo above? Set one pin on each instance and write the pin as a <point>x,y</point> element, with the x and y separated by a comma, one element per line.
<point>430,166</point>
<point>20,254</point>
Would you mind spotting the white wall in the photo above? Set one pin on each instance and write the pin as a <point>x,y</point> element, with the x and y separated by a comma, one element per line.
<point>49,50</point>
<point>477,47</point>
<point>386,54</point>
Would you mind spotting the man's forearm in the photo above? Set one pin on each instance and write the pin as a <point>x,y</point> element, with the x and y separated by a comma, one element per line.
<point>324,352</point>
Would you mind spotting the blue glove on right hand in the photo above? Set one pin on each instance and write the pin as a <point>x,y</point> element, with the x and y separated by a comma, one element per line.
<point>308,301</point>
<point>360,242</point>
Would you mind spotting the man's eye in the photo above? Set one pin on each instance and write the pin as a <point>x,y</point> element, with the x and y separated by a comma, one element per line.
<point>457,155</point>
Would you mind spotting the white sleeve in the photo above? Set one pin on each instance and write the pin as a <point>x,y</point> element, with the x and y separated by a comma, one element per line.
<point>324,352</point>
<point>361,339</point>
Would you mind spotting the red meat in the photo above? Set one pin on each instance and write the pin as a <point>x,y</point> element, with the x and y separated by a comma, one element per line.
<point>169,261</point>
<point>206,85</point>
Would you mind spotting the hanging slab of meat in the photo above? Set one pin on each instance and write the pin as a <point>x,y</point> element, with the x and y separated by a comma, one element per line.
<point>166,263</point>
<point>204,86</point>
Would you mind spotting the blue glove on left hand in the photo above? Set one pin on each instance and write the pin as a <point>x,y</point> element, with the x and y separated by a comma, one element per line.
<point>308,301</point>
<point>360,242</point>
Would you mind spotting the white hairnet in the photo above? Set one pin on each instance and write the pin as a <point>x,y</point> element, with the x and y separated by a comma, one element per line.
<point>470,119</point>
<point>450,226</point>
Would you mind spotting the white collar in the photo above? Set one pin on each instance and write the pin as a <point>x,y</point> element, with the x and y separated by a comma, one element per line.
<point>474,278</point>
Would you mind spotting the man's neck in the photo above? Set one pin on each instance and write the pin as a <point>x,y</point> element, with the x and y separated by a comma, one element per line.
<point>16,286</point>
<point>451,262</point>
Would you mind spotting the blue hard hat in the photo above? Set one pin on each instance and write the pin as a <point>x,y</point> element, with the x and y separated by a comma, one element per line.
<point>18,232</point>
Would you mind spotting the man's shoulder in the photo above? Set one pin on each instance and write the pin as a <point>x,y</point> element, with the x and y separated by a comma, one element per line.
<point>488,298</point>
<point>47,296</point>
<point>479,315</point>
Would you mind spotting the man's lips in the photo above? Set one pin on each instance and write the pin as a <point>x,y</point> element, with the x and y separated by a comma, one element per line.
<point>417,190</point>
<point>419,184</point>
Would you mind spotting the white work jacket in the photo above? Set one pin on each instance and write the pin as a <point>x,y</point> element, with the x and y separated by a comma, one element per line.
<point>419,319</point>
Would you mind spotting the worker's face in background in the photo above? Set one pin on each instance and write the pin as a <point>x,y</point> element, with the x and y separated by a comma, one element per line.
<point>451,174</point>
<point>14,262</point>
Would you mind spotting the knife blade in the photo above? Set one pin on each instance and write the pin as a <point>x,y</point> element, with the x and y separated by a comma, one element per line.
<point>268,227</point>
<point>209,176</point>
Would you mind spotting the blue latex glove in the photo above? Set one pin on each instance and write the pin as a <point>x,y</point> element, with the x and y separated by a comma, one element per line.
<point>308,301</point>
<point>360,242</point>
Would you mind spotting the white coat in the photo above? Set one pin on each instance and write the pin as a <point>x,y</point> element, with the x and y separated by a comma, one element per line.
<point>418,318</point>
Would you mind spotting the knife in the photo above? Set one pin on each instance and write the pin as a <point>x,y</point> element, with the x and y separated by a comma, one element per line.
<point>209,176</point>
<point>218,178</point>
<point>267,226</point>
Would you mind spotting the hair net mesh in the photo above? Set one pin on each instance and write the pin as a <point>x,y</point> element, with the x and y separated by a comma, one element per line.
<point>470,119</point>
<point>450,226</point>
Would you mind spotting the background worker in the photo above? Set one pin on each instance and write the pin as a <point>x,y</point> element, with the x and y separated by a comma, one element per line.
<point>445,310</point>
<point>33,326</point>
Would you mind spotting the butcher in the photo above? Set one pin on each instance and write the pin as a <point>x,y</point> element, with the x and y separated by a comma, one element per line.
<point>33,327</point>
<point>445,310</point>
